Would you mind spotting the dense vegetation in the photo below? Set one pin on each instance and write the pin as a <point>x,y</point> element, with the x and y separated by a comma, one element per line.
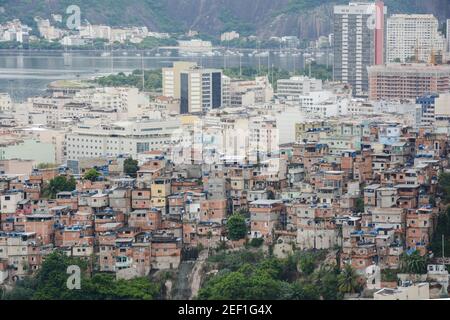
<point>116,13</point>
<point>236,227</point>
<point>252,275</point>
<point>59,184</point>
<point>152,42</point>
<point>442,229</point>
<point>152,80</point>
<point>50,283</point>
<point>130,167</point>
<point>444,187</point>
<point>318,71</point>
<point>232,23</point>
<point>91,175</point>
<point>443,223</point>
<point>413,263</point>
<point>359,206</point>
<point>180,15</point>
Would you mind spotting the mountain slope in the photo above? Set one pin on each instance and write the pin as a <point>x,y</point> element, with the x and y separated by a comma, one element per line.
<point>304,18</point>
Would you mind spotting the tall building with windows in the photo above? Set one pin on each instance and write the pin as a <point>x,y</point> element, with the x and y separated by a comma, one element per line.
<point>448,35</point>
<point>358,42</point>
<point>413,37</point>
<point>200,90</point>
<point>171,78</point>
<point>428,104</point>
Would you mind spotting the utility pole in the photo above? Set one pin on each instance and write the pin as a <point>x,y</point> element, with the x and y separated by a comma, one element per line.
<point>259,58</point>
<point>143,72</point>
<point>112,57</point>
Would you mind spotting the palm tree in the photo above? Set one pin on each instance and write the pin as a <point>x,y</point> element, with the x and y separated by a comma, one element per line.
<point>413,263</point>
<point>348,280</point>
<point>320,274</point>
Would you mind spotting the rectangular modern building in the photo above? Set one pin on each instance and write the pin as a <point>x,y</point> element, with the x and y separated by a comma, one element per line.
<point>428,104</point>
<point>448,35</point>
<point>413,38</point>
<point>407,81</point>
<point>119,139</point>
<point>171,78</point>
<point>291,89</point>
<point>358,42</point>
<point>200,90</point>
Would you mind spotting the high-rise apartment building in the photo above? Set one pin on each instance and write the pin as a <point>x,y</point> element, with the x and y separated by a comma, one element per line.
<point>413,37</point>
<point>448,35</point>
<point>171,78</point>
<point>200,90</point>
<point>358,42</point>
<point>407,81</point>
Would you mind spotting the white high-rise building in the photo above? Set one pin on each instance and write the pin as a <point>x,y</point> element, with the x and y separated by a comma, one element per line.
<point>413,35</point>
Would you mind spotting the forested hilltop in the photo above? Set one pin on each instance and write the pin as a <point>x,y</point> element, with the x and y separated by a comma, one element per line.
<point>302,18</point>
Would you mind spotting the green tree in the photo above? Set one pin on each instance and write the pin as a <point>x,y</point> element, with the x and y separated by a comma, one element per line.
<point>248,283</point>
<point>152,80</point>
<point>256,242</point>
<point>51,279</point>
<point>91,175</point>
<point>442,229</point>
<point>50,283</point>
<point>348,280</point>
<point>444,187</point>
<point>23,290</point>
<point>307,264</point>
<point>413,263</point>
<point>106,287</point>
<point>302,290</point>
<point>59,184</point>
<point>326,280</point>
<point>359,205</point>
<point>237,227</point>
<point>130,167</point>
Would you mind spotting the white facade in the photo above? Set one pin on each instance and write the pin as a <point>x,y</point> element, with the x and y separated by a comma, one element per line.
<point>246,93</point>
<point>121,138</point>
<point>5,102</point>
<point>409,35</point>
<point>28,149</point>
<point>49,136</point>
<point>195,45</point>
<point>9,201</point>
<point>228,36</point>
<point>291,89</point>
<point>419,291</point>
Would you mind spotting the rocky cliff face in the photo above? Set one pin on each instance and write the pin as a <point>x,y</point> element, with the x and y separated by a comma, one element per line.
<point>303,18</point>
